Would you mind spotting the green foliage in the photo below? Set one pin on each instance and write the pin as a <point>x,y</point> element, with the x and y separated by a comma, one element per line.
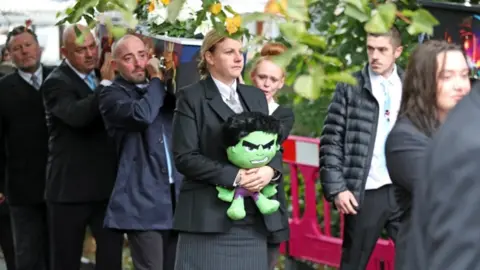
<point>316,70</point>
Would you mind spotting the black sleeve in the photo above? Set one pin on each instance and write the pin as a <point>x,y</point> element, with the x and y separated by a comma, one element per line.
<point>62,102</point>
<point>331,146</point>
<point>405,152</point>
<point>450,197</point>
<point>188,159</point>
<point>119,110</point>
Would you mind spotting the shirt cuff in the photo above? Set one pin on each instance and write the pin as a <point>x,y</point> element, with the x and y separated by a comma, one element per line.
<point>106,82</point>
<point>276,175</point>
<point>237,179</point>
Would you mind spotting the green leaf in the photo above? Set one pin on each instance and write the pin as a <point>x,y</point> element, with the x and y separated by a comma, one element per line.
<point>292,30</point>
<point>68,11</point>
<point>230,9</point>
<point>174,8</point>
<point>305,87</point>
<point>382,20</point>
<point>285,58</point>
<point>422,22</point>
<point>297,10</point>
<point>329,60</point>
<point>311,40</point>
<point>361,5</point>
<point>90,20</point>
<point>102,5</point>
<point>207,3</point>
<point>80,36</point>
<point>408,13</point>
<point>342,76</point>
<point>118,32</point>
<point>356,13</point>
<point>257,16</point>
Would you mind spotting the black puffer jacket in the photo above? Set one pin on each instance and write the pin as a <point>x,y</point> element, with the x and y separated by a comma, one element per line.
<point>348,138</point>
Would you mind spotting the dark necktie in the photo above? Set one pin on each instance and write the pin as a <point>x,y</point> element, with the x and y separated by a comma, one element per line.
<point>35,81</point>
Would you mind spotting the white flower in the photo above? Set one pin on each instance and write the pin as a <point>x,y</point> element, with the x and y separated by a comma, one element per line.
<point>195,5</point>
<point>158,15</point>
<point>204,27</point>
<point>187,12</point>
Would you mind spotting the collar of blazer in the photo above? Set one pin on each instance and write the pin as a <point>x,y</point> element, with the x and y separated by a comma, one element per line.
<point>77,80</point>
<point>253,99</point>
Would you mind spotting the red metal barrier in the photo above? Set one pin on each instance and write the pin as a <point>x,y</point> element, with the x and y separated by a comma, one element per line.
<point>308,240</point>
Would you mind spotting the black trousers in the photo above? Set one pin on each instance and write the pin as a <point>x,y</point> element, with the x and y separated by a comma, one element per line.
<point>379,210</point>
<point>30,236</point>
<point>153,250</point>
<point>6,241</point>
<point>68,223</point>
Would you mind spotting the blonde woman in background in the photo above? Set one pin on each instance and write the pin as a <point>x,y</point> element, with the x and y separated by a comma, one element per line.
<point>208,239</point>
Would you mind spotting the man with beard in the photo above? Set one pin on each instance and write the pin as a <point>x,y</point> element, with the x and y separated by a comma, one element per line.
<point>353,170</point>
<point>25,136</point>
<point>138,114</point>
<point>82,160</point>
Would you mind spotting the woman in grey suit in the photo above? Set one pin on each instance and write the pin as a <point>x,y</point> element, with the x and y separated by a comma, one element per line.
<point>436,78</point>
<point>208,239</point>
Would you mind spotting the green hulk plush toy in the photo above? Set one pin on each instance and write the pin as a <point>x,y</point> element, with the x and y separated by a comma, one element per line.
<point>251,139</point>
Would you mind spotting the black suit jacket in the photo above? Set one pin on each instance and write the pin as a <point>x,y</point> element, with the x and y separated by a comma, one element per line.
<point>3,205</point>
<point>82,160</point>
<point>201,157</point>
<point>22,124</point>
<point>405,154</point>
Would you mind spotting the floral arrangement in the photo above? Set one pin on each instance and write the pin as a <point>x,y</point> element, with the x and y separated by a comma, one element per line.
<point>195,19</point>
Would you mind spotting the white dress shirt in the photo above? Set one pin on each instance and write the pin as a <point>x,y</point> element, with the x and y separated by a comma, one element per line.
<point>272,106</point>
<point>226,90</point>
<point>28,76</point>
<point>378,174</point>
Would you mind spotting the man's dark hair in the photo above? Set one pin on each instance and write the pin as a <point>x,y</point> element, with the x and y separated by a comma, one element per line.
<point>240,125</point>
<point>20,30</point>
<point>393,33</point>
<point>419,97</point>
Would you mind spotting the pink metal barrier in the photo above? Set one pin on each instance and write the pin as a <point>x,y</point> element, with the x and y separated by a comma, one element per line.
<point>308,239</point>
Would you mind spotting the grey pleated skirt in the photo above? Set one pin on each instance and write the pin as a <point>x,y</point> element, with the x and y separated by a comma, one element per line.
<point>242,248</point>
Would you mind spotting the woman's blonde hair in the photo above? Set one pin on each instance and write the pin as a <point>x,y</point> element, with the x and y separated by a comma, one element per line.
<point>210,41</point>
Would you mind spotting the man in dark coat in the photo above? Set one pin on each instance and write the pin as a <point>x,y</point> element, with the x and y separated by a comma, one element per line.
<point>25,136</point>
<point>82,163</point>
<point>138,115</point>
<point>353,170</point>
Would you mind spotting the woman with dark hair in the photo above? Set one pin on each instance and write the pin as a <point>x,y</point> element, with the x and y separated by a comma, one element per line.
<point>436,79</point>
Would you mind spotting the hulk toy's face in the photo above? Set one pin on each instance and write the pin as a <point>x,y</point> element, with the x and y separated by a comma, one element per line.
<point>254,150</point>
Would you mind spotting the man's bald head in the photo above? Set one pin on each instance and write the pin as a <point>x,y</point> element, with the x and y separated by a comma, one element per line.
<point>120,44</point>
<point>81,53</point>
<point>70,34</point>
<point>130,58</point>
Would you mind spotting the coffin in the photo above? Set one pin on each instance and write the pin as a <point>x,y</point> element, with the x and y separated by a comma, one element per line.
<point>179,57</point>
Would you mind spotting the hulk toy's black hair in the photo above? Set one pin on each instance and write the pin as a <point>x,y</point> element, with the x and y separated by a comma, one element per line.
<point>240,125</point>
